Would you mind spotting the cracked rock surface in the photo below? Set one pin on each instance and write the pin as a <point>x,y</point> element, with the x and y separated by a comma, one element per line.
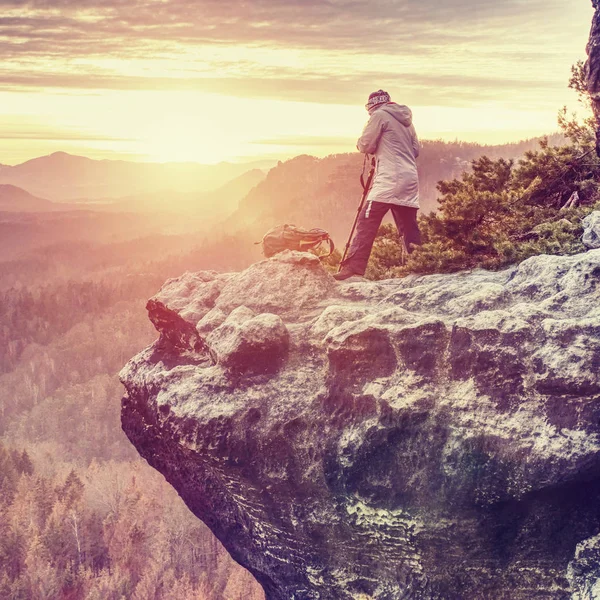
<point>431,437</point>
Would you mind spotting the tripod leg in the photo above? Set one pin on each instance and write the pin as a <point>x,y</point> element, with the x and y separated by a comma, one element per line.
<point>344,258</point>
<point>366,188</point>
<point>367,227</point>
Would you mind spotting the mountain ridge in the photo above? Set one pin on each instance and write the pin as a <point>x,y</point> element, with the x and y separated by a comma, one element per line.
<point>325,192</point>
<point>61,154</point>
<point>216,203</point>
<point>64,177</point>
<point>13,198</point>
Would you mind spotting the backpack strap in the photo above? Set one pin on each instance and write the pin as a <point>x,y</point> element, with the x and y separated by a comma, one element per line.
<point>315,243</point>
<point>324,237</point>
<point>331,248</point>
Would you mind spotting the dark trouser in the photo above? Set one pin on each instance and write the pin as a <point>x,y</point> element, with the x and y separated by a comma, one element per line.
<point>368,224</point>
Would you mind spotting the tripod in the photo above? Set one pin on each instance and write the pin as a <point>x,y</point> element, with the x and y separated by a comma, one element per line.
<point>366,186</point>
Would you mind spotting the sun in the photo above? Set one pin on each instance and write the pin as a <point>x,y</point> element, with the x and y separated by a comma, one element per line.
<point>180,127</point>
<point>177,137</point>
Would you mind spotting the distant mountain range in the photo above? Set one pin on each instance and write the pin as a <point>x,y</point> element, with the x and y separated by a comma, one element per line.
<point>15,199</point>
<point>307,191</point>
<point>63,177</point>
<point>325,192</point>
<point>216,203</point>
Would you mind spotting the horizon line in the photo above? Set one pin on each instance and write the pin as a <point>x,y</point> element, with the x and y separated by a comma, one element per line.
<point>266,157</point>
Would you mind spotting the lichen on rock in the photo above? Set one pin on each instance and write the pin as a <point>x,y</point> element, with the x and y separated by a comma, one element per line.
<point>584,570</point>
<point>427,437</point>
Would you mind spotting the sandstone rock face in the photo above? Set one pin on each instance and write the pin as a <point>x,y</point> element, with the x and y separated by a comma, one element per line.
<point>584,571</point>
<point>592,69</point>
<point>432,437</point>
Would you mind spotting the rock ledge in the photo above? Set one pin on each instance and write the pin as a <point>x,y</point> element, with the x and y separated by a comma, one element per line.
<point>430,437</point>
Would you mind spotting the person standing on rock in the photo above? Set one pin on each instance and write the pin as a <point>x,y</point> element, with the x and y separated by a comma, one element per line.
<point>391,137</point>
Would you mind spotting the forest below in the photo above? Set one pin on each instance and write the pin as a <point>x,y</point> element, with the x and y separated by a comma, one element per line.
<point>81,516</point>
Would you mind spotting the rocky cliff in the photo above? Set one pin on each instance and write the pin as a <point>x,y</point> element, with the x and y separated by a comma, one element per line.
<point>592,69</point>
<point>430,437</point>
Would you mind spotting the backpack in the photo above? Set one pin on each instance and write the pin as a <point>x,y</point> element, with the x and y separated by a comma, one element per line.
<point>290,237</point>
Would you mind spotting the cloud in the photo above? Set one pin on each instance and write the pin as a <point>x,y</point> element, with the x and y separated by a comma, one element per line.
<point>75,27</point>
<point>41,134</point>
<point>23,127</point>
<point>285,84</point>
<point>308,141</point>
<point>332,51</point>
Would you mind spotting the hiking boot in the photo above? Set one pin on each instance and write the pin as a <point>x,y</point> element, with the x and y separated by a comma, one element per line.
<point>346,273</point>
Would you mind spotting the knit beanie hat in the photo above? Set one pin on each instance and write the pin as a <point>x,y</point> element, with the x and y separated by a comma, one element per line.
<point>377,98</point>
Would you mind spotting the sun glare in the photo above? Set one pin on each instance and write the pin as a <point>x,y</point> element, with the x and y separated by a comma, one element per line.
<point>188,135</point>
<point>208,128</point>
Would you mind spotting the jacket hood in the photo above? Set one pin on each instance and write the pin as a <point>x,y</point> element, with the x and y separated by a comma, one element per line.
<point>401,113</point>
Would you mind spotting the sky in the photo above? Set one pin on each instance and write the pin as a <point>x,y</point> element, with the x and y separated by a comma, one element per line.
<point>214,80</point>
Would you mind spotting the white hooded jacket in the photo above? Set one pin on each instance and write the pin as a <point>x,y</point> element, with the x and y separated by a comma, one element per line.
<point>391,137</point>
